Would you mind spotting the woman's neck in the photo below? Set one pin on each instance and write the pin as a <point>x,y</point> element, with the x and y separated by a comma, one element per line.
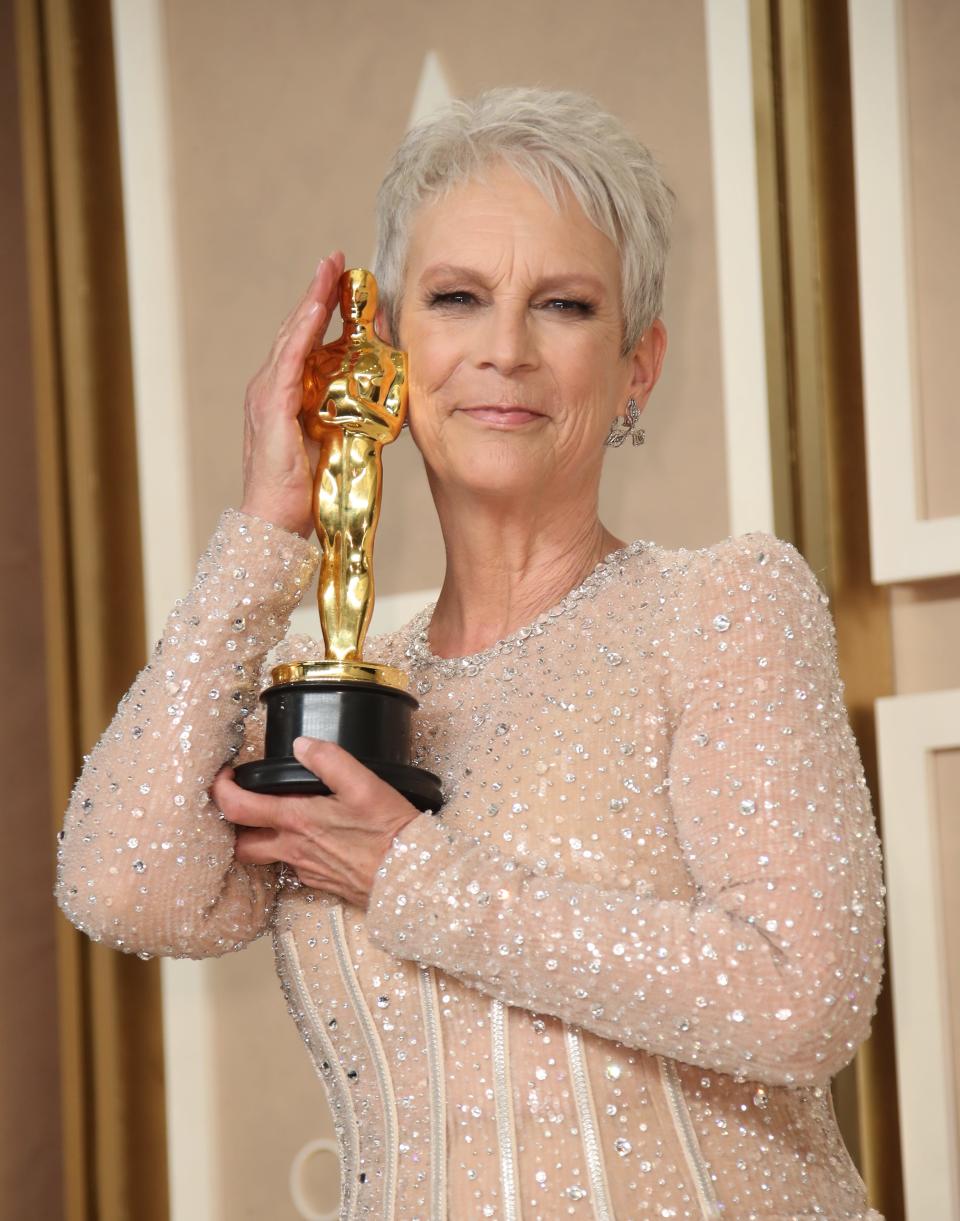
<point>505,567</point>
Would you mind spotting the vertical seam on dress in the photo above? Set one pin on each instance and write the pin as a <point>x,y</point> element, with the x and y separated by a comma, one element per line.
<point>696,1162</point>
<point>430,1005</point>
<point>587,1117</point>
<point>506,1136</point>
<point>286,945</point>
<point>377,1056</point>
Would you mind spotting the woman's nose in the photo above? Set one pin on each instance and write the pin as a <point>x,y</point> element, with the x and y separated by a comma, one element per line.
<point>507,342</point>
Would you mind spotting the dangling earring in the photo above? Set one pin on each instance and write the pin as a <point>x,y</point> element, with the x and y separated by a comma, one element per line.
<point>627,425</point>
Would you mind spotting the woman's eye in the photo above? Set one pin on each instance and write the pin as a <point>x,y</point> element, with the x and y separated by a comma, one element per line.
<point>568,305</point>
<point>451,299</point>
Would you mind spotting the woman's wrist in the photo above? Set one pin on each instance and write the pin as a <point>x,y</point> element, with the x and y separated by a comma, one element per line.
<point>280,521</point>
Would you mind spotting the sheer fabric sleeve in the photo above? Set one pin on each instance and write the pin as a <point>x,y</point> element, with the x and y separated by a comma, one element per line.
<point>771,971</point>
<point>145,861</point>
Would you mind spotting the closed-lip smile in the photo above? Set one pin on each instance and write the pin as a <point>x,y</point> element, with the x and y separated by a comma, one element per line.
<point>501,415</point>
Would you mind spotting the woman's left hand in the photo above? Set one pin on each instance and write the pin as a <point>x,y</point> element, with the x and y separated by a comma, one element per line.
<point>334,843</point>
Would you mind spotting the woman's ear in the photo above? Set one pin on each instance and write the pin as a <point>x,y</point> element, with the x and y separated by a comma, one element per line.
<point>647,361</point>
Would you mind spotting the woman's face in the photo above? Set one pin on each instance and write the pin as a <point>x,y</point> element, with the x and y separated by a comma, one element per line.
<point>512,318</point>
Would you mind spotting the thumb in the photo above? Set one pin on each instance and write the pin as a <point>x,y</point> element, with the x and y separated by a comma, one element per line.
<point>336,767</point>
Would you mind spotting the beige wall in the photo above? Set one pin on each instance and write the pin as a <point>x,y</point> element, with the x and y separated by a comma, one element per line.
<point>926,634</point>
<point>931,44</point>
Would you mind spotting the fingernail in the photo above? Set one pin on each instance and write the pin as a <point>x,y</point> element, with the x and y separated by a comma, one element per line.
<point>299,746</point>
<point>327,258</point>
<point>313,307</point>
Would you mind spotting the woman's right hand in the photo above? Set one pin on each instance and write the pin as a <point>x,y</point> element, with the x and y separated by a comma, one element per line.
<point>278,459</point>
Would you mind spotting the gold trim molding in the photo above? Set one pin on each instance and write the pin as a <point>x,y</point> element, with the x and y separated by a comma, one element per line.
<point>805,157</point>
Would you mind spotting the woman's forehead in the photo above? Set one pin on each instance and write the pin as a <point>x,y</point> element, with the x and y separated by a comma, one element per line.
<point>502,214</point>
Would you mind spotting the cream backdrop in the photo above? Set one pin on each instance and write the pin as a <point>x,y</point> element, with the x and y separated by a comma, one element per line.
<point>253,140</point>
<point>931,44</point>
<point>926,614</point>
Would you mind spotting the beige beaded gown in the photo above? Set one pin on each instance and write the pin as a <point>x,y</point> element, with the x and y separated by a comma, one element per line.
<point>614,977</point>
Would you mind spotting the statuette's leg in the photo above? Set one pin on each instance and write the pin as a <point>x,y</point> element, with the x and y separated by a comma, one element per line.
<point>327,514</point>
<point>360,526</point>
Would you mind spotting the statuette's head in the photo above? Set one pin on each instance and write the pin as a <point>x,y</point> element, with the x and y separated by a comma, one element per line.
<point>358,295</point>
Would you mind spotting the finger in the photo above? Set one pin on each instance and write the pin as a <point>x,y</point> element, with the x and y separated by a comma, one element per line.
<point>307,326</point>
<point>255,846</point>
<point>307,334</point>
<point>333,294</point>
<point>239,805</point>
<point>321,292</point>
<point>324,285</point>
<point>336,767</point>
<point>223,775</point>
<point>322,269</point>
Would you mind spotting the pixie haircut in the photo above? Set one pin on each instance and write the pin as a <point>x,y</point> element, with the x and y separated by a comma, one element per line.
<point>554,140</point>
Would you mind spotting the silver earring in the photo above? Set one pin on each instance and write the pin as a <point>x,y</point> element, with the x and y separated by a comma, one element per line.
<point>627,425</point>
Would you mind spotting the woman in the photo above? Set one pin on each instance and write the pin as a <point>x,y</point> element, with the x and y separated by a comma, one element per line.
<point>614,977</point>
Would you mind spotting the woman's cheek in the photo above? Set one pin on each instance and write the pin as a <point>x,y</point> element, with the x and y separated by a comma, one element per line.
<point>433,357</point>
<point>586,422</point>
<point>424,408</point>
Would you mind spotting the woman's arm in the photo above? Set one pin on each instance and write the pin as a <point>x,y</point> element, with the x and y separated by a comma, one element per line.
<point>146,862</point>
<point>772,970</point>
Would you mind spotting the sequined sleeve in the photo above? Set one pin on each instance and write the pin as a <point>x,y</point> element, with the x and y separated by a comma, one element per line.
<point>770,970</point>
<point>145,861</point>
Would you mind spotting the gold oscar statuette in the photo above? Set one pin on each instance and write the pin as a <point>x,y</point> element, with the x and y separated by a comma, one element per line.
<point>354,403</point>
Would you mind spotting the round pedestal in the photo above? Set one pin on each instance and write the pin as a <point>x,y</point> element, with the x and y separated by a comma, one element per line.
<point>369,720</point>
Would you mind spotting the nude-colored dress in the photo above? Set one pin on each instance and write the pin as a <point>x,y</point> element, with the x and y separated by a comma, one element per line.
<point>614,979</point>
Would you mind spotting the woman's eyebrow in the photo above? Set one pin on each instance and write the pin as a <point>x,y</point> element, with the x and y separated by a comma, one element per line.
<point>452,272</point>
<point>573,281</point>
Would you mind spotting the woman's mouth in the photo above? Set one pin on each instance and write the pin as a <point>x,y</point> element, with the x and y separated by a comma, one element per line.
<point>501,415</point>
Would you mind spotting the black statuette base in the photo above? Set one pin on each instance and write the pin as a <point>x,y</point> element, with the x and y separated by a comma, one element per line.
<point>370,721</point>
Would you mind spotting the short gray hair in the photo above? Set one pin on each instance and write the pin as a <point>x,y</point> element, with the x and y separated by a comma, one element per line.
<point>553,139</point>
